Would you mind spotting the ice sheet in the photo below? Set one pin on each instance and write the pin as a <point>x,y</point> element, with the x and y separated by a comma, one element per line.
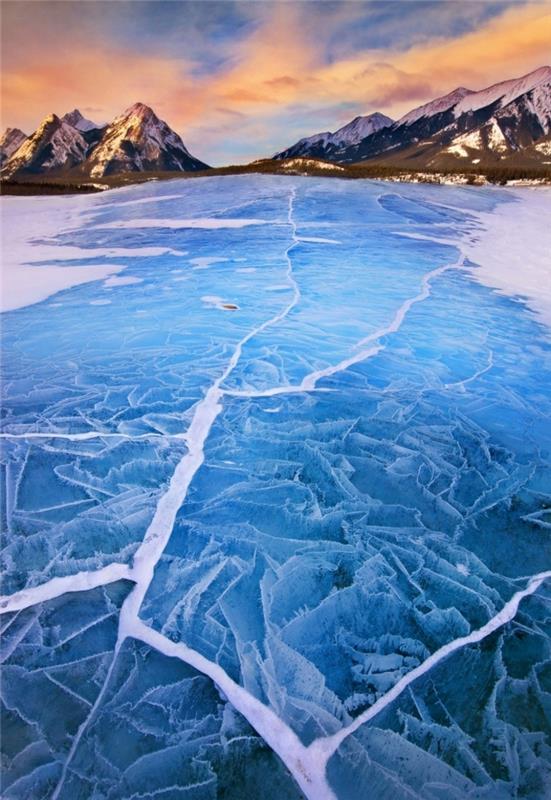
<point>306,487</point>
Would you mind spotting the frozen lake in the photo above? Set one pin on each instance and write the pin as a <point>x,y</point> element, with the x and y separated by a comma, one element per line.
<point>277,491</point>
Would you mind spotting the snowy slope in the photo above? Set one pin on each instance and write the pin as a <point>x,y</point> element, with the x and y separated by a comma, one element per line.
<point>497,123</point>
<point>520,120</point>
<point>505,92</point>
<point>360,127</point>
<point>435,106</point>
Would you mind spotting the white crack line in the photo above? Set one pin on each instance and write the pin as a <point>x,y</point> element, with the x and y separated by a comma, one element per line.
<point>309,382</point>
<point>308,765</point>
<point>79,582</point>
<point>82,437</point>
<point>327,746</point>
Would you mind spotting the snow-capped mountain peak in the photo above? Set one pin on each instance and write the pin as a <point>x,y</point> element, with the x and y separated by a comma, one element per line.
<point>137,114</point>
<point>79,122</point>
<point>360,127</point>
<point>322,143</point>
<point>500,123</point>
<point>437,106</point>
<point>520,112</point>
<point>137,140</point>
<point>140,110</point>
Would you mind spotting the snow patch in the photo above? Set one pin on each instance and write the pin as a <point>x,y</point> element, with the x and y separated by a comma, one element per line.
<point>458,150</point>
<point>512,250</point>
<point>24,222</point>
<point>205,262</point>
<point>496,139</point>
<point>123,281</point>
<point>311,163</point>
<point>318,239</point>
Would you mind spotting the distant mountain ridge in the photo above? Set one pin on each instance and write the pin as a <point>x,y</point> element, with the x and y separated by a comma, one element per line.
<point>136,141</point>
<point>320,144</point>
<point>508,121</point>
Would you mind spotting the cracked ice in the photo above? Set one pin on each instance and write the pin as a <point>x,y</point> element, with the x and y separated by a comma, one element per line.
<point>297,550</point>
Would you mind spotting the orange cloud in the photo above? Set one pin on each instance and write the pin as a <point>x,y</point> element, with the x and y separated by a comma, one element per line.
<point>268,64</point>
<point>269,74</point>
<point>106,81</point>
<point>515,42</point>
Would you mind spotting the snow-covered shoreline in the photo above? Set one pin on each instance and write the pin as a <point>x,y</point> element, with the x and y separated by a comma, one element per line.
<point>27,225</point>
<point>23,220</point>
<point>512,250</point>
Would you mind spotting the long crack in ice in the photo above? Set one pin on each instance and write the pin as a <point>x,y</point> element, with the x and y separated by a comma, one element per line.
<point>327,746</point>
<point>309,382</point>
<point>161,526</point>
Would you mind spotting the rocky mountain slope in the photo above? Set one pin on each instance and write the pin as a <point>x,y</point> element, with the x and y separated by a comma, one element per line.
<point>136,141</point>
<point>11,139</point>
<point>54,146</point>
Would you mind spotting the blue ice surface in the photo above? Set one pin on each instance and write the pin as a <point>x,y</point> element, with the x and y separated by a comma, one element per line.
<point>331,540</point>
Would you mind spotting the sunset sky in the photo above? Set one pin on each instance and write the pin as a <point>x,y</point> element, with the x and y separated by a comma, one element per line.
<point>240,80</point>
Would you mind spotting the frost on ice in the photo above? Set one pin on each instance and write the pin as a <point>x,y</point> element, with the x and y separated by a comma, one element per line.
<point>271,552</point>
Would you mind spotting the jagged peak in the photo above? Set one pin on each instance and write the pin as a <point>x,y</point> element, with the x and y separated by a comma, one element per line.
<point>12,132</point>
<point>140,110</point>
<point>74,113</point>
<point>50,119</point>
<point>77,120</point>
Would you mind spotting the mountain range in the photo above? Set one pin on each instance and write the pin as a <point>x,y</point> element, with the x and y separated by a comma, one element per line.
<point>506,124</point>
<point>136,141</point>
